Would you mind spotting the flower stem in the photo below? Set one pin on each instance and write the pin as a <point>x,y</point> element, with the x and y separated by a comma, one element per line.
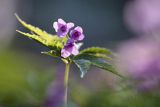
<point>66,83</point>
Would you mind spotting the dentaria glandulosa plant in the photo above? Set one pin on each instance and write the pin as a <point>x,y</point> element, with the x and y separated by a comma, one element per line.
<point>65,45</point>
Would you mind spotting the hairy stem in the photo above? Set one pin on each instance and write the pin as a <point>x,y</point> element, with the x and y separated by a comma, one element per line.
<point>66,83</point>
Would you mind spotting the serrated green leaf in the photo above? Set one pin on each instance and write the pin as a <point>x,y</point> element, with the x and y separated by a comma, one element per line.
<point>92,56</point>
<point>34,29</point>
<point>33,36</point>
<point>83,65</point>
<point>96,50</point>
<point>51,41</point>
<point>94,53</point>
<point>100,63</point>
<point>97,60</point>
<point>102,56</point>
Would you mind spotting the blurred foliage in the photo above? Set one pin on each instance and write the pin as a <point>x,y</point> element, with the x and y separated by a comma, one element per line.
<point>124,98</point>
<point>22,84</point>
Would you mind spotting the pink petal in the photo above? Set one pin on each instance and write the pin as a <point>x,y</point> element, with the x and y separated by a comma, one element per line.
<point>81,37</point>
<point>61,21</point>
<point>79,29</point>
<point>70,25</point>
<point>71,32</point>
<point>75,51</point>
<point>65,53</point>
<point>61,34</point>
<point>55,26</point>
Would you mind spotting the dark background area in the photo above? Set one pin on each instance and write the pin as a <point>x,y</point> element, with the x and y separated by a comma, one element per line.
<point>102,20</point>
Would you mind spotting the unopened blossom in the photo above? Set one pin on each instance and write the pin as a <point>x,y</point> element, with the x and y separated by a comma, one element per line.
<point>62,28</point>
<point>77,34</point>
<point>69,49</point>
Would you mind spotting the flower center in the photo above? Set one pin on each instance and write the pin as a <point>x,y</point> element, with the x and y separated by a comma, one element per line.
<point>63,28</point>
<point>76,34</point>
<point>69,45</point>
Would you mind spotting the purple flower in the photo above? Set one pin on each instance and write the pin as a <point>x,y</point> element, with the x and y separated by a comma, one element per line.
<point>55,91</point>
<point>62,28</point>
<point>140,59</point>
<point>142,16</point>
<point>69,49</point>
<point>77,34</point>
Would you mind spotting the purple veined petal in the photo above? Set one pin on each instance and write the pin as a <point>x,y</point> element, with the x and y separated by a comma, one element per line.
<point>61,21</point>
<point>81,37</point>
<point>69,49</point>
<point>70,41</point>
<point>75,50</point>
<point>70,25</point>
<point>62,27</point>
<point>61,34</point>
<point>76,35</point>
<point>62,30</point>
<point>65,53</point>
<point>79,29</point>
<point>55,26</point>
<point>71,33</point>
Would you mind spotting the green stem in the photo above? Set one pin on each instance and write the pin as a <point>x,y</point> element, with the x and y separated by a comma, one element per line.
<point>66,83</point>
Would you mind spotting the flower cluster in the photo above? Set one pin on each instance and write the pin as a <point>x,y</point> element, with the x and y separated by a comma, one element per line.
<point>63,29</point>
